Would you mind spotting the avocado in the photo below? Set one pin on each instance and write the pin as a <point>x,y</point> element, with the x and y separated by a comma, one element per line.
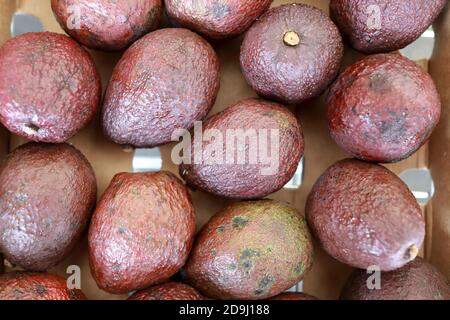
<point>49,87</point>
<point>292,53</point>
<point>141,232</point>
<point>418,280</point>
<point>216,19</point>
<point>250,250</point>
<point>383,108</point>
<point>294,296</point>
<point>377,26</point>
<point>107,25</point>
<point>164,82</point>
<point>248,151</point>
<point>36,286</point>
<point>47,195</point>
<point>168,291</point>
<point>364,215</point>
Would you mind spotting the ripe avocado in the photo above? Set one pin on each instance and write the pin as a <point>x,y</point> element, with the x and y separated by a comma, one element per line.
<point>250,250</point>
<point>237,168</point>
<point>165,81</point>
<point>47,195</point>
<point>383,108</point>
<point>294,296</point>
<point>292,53</point>
<point>364,215</point>
<point>376,26</point>
<point>216,19</point>
<point>418,280</point>
<point>141,232</point>
<point>107,25</point>
<point>168,291</point>
<point>36,286</point>
<point>49,87</point>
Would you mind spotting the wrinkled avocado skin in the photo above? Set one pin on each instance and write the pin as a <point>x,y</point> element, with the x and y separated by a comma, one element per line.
<point>291,74</point>
<point>47,195</point>
<point>369,26</point>
<point>216,19</point>
<point>251,250</point>
<point>50,88</point>
<point>418,280</point>
<point>20,285</point>
<point>164,83</point>
<point>141,232</point>
<point>36,286</point>
<point>363,215</point>
<point>383,108</point>
<point>108,25</point>
<point>243,178</point>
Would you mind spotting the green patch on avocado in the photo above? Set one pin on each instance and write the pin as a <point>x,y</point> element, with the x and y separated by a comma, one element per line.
<point>247,258</point>
<point>231,266</point>
<point>264,284</point>
<point>122,230</point>
<point>135,191</point>
<point>220,228</point>
<point>40,289</point>
<point>213,253</point>
<point>239,222</point>
<point>299,269</point>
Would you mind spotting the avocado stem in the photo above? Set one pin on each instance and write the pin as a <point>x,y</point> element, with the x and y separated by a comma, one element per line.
<point>291,38</point>
<point>412,253</point>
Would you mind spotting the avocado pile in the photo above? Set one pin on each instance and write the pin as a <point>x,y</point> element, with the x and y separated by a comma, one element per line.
<point>142,231</point>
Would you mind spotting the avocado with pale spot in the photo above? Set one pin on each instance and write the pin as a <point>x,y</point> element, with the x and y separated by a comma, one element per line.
<point>251,250</point>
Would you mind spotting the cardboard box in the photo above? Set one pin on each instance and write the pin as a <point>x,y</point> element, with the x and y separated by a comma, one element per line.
<point>327,277</point>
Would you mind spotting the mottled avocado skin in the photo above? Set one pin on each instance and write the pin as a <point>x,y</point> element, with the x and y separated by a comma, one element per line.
<point>418,280</point>
<point>291,69</point>
<point>364,215</point>
<point>141,232</point>
<point>216,19</point>
<point>294,296</point>
<point>49,87</point>
<point>168,291</point>
<point>250,250</point>
<point>383,108</point>
<point>166,81</point>
<point>108,25</point>
<point>243,178</point>
<point>36,286</point>
<point>47,195</point>
<point>376,26</point>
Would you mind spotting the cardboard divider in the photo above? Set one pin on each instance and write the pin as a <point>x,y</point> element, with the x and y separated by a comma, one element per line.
<point>327,276</point>
<point>440,148</point>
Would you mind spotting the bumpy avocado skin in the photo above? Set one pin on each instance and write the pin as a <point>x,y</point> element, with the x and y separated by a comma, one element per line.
<point>291,73</point>
<point>250,250</point>
<point>249,179</point>
<point>49,87</point>
<point>216,19</point>
<point>108,25</point>
<point>164,82</point>
<point>47,195</point>
<point>418,280</point>
<point>36,286</point>
<point>141,232</point>
<point>364,215</point>
<point>383,108</point>
<point>383,25</point>
<point>168,291</point>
